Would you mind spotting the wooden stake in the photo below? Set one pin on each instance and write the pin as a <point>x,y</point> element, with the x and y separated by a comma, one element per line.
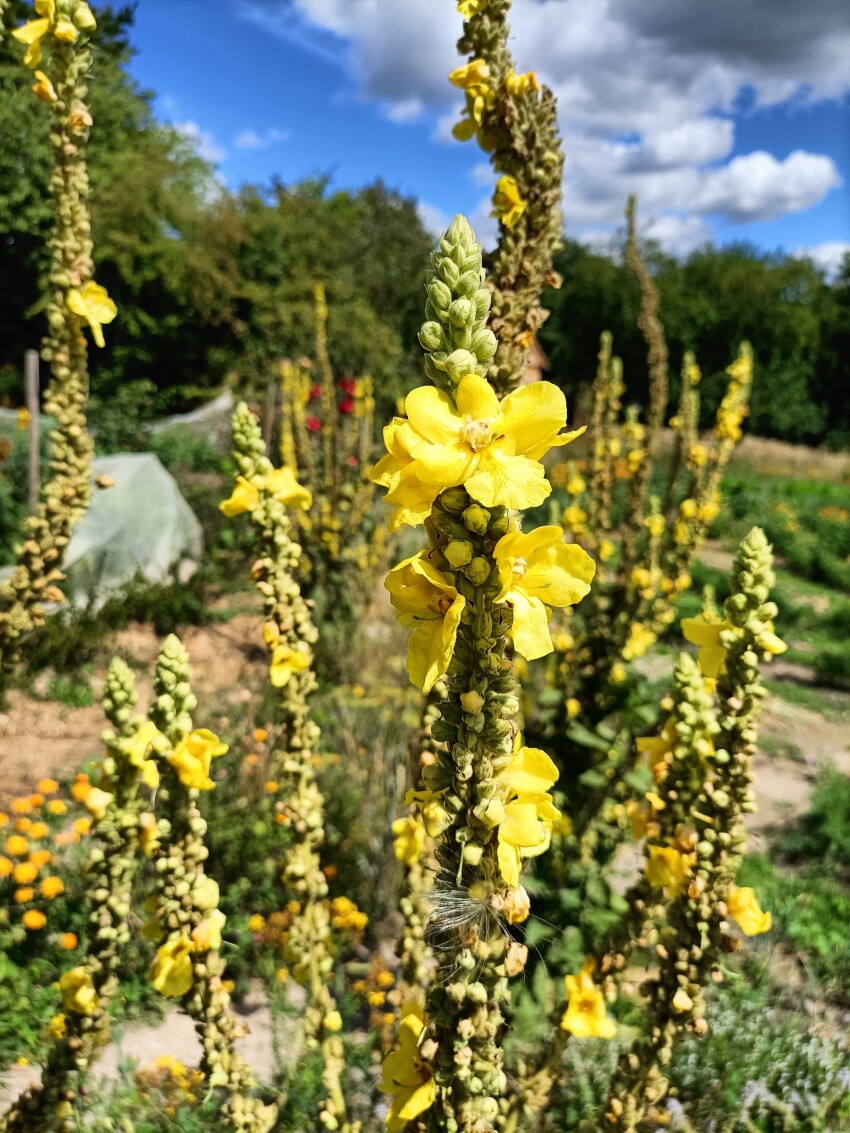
<point>34,408</point>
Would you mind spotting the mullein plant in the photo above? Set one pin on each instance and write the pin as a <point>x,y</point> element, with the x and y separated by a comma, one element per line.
<point>462,463</point>
<point>184,917</point>
<point>691,823</point>
<point>327,438</point>
<point>82,1028</point>
<point>645,557</point>
<point>514,120</point>
<point>266,493</point>
<point>57,50</point>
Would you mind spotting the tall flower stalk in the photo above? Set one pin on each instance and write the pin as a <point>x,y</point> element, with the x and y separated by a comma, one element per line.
<point>289,633</point>
<point>458,463</point>
<point>74,301</point>
<point>515,121</point>
<point>110,868</point>
<point>185,917</point>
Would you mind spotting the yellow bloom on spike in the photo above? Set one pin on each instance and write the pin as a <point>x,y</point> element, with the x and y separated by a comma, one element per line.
<point>639,640</point>
<point>470,8</point>
<point>282,484</point>
<point>409,840</point>
<point>192,758</point>
<point>408,1079</point>
<point>470,74</point>
<point>508,203</point>
<point>206,936</point>
<point>521,84</point>
<point>84,17</point>
<point>244,497</point>
<point>539,570</point>
<point>43,88</point>
<point>410,498</point>
<point>34,32</point>
<point>171,971</point>
<point>78,992</point>
<point>92,303</point>
<point>492,448</point>
<point>746,912</point>
<point>424,601</point>
<point>704,632</point>
<point>97,802</point>
<point>286,661</point>
<point>525,829</point>
<point>137,746</point>
<point>585,1016</point>
<point>667,869</point>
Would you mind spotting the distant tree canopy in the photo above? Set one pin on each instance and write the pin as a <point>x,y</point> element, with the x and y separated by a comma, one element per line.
<point>797,321</point>
<point>216,286</point>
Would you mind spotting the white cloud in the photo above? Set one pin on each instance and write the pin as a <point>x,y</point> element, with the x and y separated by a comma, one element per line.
<point>251,139</point>
<point>203,142</point>
<point>829,255</point>
<point>434,220</point>
<point>646,92</point>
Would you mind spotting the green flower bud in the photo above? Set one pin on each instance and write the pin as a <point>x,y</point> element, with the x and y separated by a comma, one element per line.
<point>460,363</point>
<point>461,313</point>
<point>478,571</point>
<point>476,518</point>
<point>431,337</point>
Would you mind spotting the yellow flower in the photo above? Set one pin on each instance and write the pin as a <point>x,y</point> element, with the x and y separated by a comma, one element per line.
<point>51,887</point>
<point>539,570</point>
<point>520,84</point>
<point>639,640</point>
<point>281,484</point>
<point>492,448</point>
<point>43,88</point>
<point>56,1027</point>
<point>470,75</point>
<point>92,303</point>
<point>78,992</point>
<point>244,497</point>
<point>97,802</point>
<point>34,32</point>
<point>33,920</point>
<point>508,204</point>
<point>526,826</point>
<point>409,841</point>
<point>434,815</point>
<point>410,498</point>
<point>206,936</point>
<point>286,661</point>
<point>585,1016</point>
<point>658,748</point>
<point>256,923</point>
<point>425,602</point>
<point>148,832</point>
<point>667,869</point>
<point>137,747</point>
<point>333,1022</point>
<point>192,757</point>
<point>745,910</point>
<point>405,1076</point>
<point>470,8</point>
<point>171,972</point>
<point>84,17</point>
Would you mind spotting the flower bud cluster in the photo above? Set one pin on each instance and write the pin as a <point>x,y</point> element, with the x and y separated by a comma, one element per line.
<point>66,492</point>
<point>290,635</point>
<point>110,869</point>
<point>515,122</point>
<point>185,915</point>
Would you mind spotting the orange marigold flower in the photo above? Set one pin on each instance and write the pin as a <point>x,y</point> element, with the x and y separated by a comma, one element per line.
<point>259,735</point>
<point>47,786</point>
<point>56,806</point>
<point>80,789</point>
<point>21,806</point>
<point>25,872</point>
<point>271,786</point>
<point>34,919</point>
<point>39,830</point>
<point>23,895</point>
<point>17,846</point>
<point>4,818</point>
<point>82,825</point>
<point>68,941</point>
<point>36,800</point>
<point>40,858</point>
<point>23,825</point>
<point>51,887</point>
<point>6,867</point>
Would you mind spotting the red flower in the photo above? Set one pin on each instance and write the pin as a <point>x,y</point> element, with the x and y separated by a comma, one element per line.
<point>313,424</point>
<point>346,406</point>
<point>352,461</point>
<point>315,391</point>
<point>348,385</point>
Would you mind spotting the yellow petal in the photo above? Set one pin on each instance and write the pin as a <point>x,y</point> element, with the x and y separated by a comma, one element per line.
<point>530,771</point>
<point>745,910</point>
<point>476,397</point>
<point>509,863</point>
<point>431,646</point>
<point>531,625</point>
<point>510,481</point>
<point>433,415</point>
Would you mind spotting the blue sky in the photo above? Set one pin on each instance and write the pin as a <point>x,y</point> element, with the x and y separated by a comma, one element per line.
<point>730,124</point>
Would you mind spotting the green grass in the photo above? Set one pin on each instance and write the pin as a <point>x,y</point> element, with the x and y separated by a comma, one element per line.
<point>832,706</point>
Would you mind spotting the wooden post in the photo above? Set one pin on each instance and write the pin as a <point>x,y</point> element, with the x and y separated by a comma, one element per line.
<point>269,414</point>
<point>34,409</point>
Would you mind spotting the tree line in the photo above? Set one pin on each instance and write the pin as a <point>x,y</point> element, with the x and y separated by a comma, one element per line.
<point>215,286</point>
